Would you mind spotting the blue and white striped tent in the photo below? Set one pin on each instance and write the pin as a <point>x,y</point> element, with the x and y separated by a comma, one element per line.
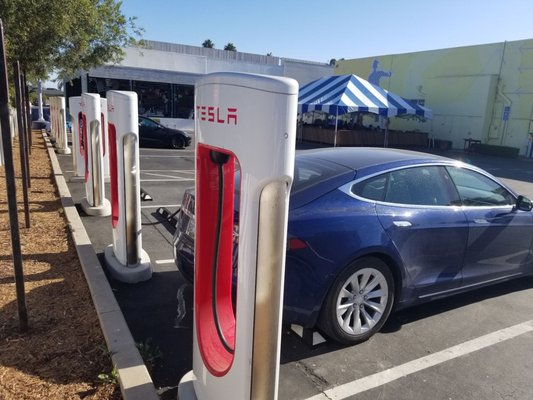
<point>343,94</point>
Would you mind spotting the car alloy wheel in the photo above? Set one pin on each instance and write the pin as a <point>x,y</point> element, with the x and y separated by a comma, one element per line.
<point>177,143</point>
<point>359,301</point>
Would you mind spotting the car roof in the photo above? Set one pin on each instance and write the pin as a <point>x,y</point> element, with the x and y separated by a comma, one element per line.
<point>366,158</point>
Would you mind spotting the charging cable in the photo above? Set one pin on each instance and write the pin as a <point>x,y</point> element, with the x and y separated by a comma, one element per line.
<point>165,220</point>
<point>220,159</point>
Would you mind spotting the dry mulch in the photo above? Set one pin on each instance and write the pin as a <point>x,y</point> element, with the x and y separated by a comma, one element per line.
<point>63,352</point>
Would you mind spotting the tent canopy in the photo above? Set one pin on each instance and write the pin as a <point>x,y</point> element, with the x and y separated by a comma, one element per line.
<point>343,94</point>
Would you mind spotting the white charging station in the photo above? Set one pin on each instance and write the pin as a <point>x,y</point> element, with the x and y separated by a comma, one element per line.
<point>53,126</point>
<point>125,258</point>
<point>105,137</point>
<point>95,202</point>
<point>249,120</point>
<point>54,117</point>
<point>13,122</point>
<point>61,118</point>
<point>74,108</point>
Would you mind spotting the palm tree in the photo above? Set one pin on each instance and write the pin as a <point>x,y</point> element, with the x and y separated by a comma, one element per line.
<point>230,46</point>
<point>208,44</point>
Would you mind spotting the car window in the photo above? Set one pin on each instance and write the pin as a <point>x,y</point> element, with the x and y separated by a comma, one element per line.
<point>144,122</point>
<point>478,190</point>
<point>309,172</point>
<point>306,173</point>
<point>372,189</point>
<point>428,185</point>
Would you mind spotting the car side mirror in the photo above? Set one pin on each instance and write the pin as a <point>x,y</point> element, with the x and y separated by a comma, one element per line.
<point>523,203</point>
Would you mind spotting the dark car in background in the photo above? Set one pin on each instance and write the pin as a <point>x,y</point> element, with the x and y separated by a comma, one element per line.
<point>373,228</point>
<point>35,118</point>
<point>153,133</point>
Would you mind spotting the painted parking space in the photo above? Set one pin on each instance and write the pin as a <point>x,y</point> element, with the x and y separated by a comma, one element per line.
<point>431,345</point>
<point>167,176</point>
<point>378,379</point>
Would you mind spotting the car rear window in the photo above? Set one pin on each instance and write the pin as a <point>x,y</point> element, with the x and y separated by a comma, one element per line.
<point>307,172</point>
<point>311,171</point>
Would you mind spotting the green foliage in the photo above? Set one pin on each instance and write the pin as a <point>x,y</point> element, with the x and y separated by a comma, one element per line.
<point>208,44</point>
<point>111,377</point>
<point>149,353</point>
<point>493,150</point>
<point>65,35</point>
<point>230,46</point>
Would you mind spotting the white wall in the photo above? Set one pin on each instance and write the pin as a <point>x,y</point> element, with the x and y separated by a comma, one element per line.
<point>174,67</point>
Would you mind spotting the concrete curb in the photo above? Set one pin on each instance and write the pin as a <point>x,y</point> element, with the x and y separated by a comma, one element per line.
<point>135,381</point>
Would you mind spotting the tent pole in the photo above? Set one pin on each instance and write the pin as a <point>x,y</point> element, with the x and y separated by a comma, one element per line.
<point>336,121</point>
<point>386,137</point>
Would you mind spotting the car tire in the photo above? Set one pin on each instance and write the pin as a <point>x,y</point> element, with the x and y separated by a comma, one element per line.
<point>359,301</point>
<point>177,143</point>
<point>188,275</point>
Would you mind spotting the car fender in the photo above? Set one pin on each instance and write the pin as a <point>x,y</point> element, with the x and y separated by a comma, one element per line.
<point>348,231</point>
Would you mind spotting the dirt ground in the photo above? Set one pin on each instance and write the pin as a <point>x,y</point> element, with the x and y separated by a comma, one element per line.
<point>63,354</point>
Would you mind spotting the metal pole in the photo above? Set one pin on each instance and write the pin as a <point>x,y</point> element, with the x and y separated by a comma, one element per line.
<point>22,112</point>
<point>336,122</point>
<point>40,99</point>
<point>11,188</point>
<point>28,112</point>
<point>22,143</point>
<point>26,130</point>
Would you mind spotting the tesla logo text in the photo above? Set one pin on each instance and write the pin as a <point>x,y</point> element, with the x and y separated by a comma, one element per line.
<point>110,108</point>
<point>218,115</point>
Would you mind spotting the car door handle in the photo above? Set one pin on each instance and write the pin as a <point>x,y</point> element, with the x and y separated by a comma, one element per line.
<point>480,221</point>
<point>402,224</point>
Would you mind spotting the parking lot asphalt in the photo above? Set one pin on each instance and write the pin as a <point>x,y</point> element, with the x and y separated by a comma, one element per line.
<point>471,346</point>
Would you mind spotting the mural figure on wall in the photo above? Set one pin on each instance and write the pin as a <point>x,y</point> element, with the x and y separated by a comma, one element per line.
<point>376,75</point>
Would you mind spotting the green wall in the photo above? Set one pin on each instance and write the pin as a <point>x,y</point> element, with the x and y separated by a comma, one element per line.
<point>468,89</point>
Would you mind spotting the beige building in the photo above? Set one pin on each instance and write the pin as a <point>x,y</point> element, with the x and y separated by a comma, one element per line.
<point>480,92</point>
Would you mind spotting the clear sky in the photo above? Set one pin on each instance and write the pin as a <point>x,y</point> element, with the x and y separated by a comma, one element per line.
<point>321,30</point>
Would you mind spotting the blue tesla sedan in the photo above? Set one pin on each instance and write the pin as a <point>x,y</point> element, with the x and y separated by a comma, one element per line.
<point>376,229</point>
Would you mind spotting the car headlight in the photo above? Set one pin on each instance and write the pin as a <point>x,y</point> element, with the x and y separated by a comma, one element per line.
<point>190,228</point>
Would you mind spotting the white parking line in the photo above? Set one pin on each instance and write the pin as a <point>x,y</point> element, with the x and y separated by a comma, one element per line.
<point>167,261</point>
<point>381,378</point>
<point>155,156</point>
<point>186,171</point>
<point>161,175</point>
<point>168,180</point>
<point>164,205</point>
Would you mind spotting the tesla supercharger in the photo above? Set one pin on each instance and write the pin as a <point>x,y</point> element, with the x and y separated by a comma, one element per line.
<point>13,122</point>
<point>249,121</point>
<point>95,202</point>
<point>54,126</point>
<point>105,137</point>
<point>52,120</point>
<point>74,108</point>
<point>61,116</point>
<point>126,259</point>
